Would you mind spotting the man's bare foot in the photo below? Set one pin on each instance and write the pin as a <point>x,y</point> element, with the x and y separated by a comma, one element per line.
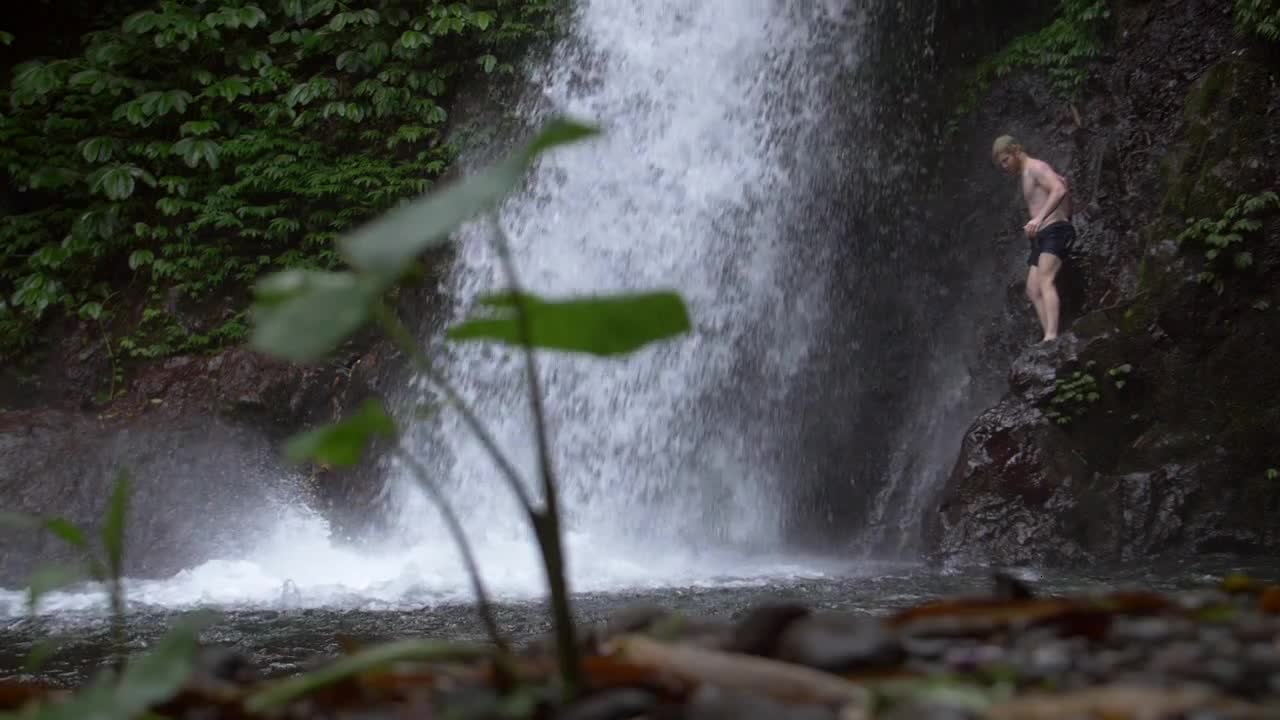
<point>1049,339</point>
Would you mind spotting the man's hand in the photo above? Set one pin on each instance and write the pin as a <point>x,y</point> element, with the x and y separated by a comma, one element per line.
<point>1032,227</point>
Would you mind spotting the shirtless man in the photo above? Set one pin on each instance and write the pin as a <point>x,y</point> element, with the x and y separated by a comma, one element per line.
<point>1050,230</point>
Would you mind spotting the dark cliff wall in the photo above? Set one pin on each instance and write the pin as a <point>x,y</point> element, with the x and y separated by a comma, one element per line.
<point>1173,441</point>
<point>917,340</point>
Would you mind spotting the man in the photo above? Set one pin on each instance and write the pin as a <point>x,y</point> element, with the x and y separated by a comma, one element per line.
<point>1050,231</point>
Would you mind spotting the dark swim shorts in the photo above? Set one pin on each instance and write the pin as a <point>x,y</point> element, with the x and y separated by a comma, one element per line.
<point>1055,239</point>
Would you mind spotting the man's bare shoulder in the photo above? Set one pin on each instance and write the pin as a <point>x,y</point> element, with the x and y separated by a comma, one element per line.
<point>1037,166</point>
<point>1042,171</point>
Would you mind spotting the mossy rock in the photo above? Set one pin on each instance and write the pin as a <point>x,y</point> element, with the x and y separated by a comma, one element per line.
<point>1162,271</point>
<point>1226,119</point>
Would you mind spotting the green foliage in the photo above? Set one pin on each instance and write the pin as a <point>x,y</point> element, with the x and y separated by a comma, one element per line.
<point>147,680</point>
<point>599,326</point>
<point>1223,240</point>
<point>1061,50</point>
<point>199,144</point>
<point>1259,17</point>
<point>1073,396</point>
<point>342,444</point>
<point>279,694</point>
<point>1120,375</point>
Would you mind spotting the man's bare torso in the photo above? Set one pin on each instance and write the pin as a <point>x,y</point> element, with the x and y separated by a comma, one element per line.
<point>1037,194</point>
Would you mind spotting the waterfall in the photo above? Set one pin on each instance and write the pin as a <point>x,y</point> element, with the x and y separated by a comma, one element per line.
<point>713,121</point>
<point>679,465</point>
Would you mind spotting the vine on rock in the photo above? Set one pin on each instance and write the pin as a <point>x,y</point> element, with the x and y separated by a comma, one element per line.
<point>1223,238</point>
<point>1259,17</point>
<point>1061,50</point>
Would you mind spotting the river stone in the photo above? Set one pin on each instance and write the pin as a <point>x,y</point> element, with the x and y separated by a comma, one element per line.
<point>620,704</point>
<point>761,630</point>
<point>837,643</point>
<point>926,711</point>
<point>1153,629</point>
<point>714,703</point>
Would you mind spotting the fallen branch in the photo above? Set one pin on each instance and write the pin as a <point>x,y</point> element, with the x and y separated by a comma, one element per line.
<point>779,680</point>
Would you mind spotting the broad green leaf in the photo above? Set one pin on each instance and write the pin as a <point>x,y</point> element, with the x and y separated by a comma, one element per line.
<point>91,310</point>
<point>604,325</point>
<point>342,444</point>
<point>412,39</point>
<point>140,22</point>
<point>97,149</point>
<point>68,532</point>
<point>40,653</point>
<point>114,525</point>
<point>50,578</point>
<point>561,131</point>
<point>198,127</point>
<point>302,315</point>
<point>281,692</point>
<point>6,38</point>
<point>118,181</point>
<point>251,16</point>
<point>387,245</point>
<point>193,150</point>
<point>139,258</point>
<point>34,79</point>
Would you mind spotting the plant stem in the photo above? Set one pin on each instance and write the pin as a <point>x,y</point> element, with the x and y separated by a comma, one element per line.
<point>548,522</point>
<point>407,344</point>
<point>106,338</point>
<point>118,619</point>
<point>468,558</point>
<point>279,693</point>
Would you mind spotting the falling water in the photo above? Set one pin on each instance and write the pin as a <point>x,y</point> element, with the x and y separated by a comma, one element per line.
<point>674,462</point>
<point>711,115</point>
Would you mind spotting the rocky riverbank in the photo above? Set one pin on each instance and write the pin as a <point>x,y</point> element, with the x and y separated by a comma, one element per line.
<point>1212,652</point>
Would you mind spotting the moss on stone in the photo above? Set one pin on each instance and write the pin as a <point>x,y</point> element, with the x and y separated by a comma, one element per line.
<point>1225,113</point>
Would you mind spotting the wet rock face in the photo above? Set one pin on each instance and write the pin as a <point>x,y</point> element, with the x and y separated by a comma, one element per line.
<point>1171,455</point>
<point>200,438</point>
<point>201,487</point>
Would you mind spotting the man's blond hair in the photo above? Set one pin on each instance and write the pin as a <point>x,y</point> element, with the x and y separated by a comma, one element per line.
<point>1005,144</point>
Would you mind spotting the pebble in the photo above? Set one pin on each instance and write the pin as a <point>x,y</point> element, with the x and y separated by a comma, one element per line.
<point>1143,629</point>
<point>840,644</point>
<point>621,704</point>
<point>712,703</point>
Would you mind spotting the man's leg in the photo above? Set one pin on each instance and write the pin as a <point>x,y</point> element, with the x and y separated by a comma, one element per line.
<point>1047,272</point>
<point>1033,294</point>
